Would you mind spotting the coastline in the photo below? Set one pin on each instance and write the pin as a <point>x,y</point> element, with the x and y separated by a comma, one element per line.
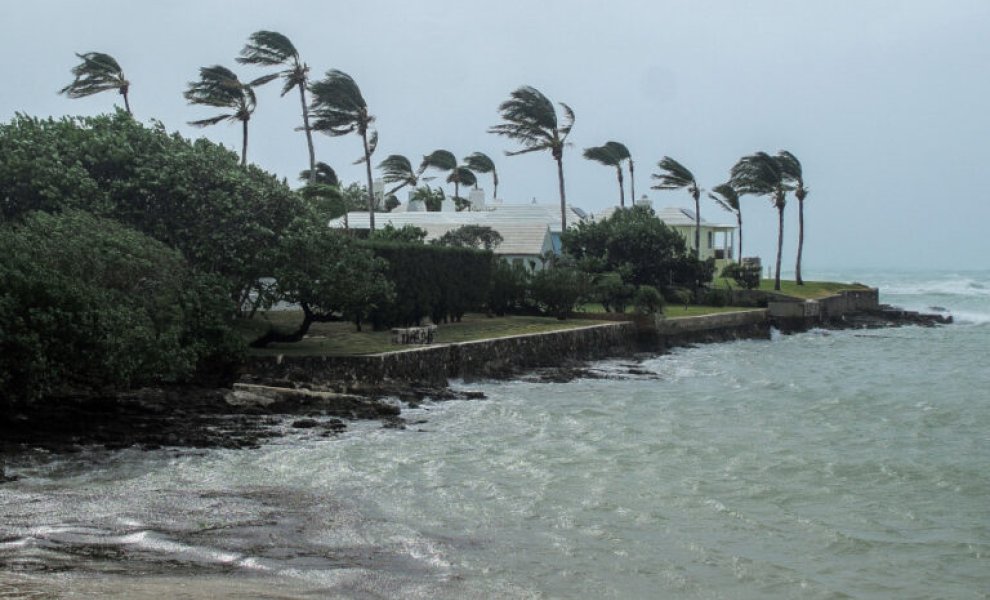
<point>278,394</point>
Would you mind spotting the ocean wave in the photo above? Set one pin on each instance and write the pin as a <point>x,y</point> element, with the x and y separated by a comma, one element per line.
<point>958,286</point>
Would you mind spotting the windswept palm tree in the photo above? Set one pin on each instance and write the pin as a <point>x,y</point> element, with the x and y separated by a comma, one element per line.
<point>98,72</point>
<point>441,160</point>
<point>792,173</point>
<point>396,168</point>
<point>530,119</point>
<point>607,156</point>
<point>272,49</point>
<point>461,175</point>
<point>763,175</point>
<point>322,174</point>
<point>728,198</point>
<point>479,162</point>
<point>218,86</point>
<point>339,109</point>
<point>674,176</point>
<point>622,152</point>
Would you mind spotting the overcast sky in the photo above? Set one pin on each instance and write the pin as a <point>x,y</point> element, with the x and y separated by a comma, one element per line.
<point>886,103</point>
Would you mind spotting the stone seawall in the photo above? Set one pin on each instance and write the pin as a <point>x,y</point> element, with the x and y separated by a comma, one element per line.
<point>799,315</point>
<point>434,365</point>
<point>667,333</point>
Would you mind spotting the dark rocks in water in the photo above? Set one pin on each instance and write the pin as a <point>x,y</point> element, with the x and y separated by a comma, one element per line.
<point>305,424</point>
<point>394,423</point>
<point>939,309</point>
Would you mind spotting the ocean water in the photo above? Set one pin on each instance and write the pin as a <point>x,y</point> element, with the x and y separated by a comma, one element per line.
<point>848,464</point>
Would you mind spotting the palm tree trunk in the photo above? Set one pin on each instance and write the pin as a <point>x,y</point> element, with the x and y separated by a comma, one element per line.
<point>697,225</point>
<point>622,191</point>
<point>632,185</point>
<point>563,196</point>
<point>457,190</point>
<point>780,245</point>
<point>371,188</point>
<point>309,135</point>
<point>244,142</point>
<point>495,184</point>
<point>797,274</point>
<point>127,104</point>
<point>739,220</point>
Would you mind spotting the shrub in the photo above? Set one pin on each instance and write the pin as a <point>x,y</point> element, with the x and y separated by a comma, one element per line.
<point>613,293</point>
<point>647,300</point>
<point>747,276</point>
<point>509,287</point>
<point>557,290</point>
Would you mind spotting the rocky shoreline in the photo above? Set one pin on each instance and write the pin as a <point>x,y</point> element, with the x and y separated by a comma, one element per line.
<point>258,409</point>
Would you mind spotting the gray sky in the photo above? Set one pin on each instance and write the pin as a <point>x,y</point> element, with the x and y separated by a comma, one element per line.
<point>884,102</point>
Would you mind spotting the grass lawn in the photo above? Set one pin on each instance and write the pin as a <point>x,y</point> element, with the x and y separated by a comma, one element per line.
<point>672,310</point>
<point>341,339</point>
<point>810,289</point>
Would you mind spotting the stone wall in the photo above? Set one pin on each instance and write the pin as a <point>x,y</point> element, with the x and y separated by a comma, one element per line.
<point>666,333</point>
<point>790,316</point>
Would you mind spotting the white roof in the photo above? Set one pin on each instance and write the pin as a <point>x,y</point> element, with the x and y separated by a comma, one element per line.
<point>673,216</point>
<point>518,237</point>
<point>547,214</point>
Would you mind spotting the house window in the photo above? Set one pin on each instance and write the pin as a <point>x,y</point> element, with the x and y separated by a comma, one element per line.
<point>711,239</point>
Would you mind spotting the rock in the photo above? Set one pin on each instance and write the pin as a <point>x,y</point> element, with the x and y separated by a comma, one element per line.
<point>305,423</point>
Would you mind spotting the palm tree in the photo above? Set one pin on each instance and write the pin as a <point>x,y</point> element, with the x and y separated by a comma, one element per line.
<point>763,175</point>
<point>674,176</point>
<point>97,73</point>
<point>218,86</point>
<point>459,176</point>
<point>531,120</point>
<point>480,162</point>
<point>272,49</point>
<point>397,169</point>
<point>606,155</point>
<point>792,173</point>
<point>322,174</point>
<point>623,153</point>
<point>441,160</point>
<point>339,109</point>
<point>728,198</point>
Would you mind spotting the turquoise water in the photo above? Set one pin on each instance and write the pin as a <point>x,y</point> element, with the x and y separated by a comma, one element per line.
<point>852,464</point>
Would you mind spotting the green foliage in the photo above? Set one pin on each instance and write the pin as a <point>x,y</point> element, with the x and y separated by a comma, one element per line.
<point>89,304</point>
<point>747,276</point>
<point>717,297</point>
<point>98,72</point>
<point>471,236</point>
<point>613,293</point>
<point>407,233</point>
<point>557,290</point>
<point>509,289</point>
<point>647,300</point>
<point>638,245</point>
<point>436,281</point>
<point>193,196</point>
<point>432,198</point>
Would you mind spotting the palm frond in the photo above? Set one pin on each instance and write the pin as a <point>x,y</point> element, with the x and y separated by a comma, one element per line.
<point>338,106</point>
<point>673,175</point>
<point>324,174</point>
<point>565,130</point>
<point>603,155</point>
<point>396,168</point>
<point>263,79</point>
<point>219,87</point>
<point>441,160</point>
<point>619,150</point>
<point>462,176</point>
<point>213,120</point>
<point>726,197</point>
<point>480,162</point>
<point>529,118</point>
<point>98,72</point>
<point>268,48</point>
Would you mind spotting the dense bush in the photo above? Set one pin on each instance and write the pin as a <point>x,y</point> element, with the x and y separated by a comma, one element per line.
<point>509,291</point>
<point>558,290</point>
<point>613,293</point>
<point>647,300</point>
<point>87,304</point>
<point>193,196</point>
<point>748,276</point>
<point>433,281</point>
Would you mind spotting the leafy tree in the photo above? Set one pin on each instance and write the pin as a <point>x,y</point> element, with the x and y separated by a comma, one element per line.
<point>530,119</point>
<point>330,277</point>
<point>340,109</point>
<point>272,49</point>
<point>727,197</point>
<point>88,304</point>
<point>607,156</point>
<point>480,162</point>
<point>471,236</point>
<point>612,292</point>
<point>219,87</point>
<point>673,175</point>
<point>763,175</point>
<point>638,245</point>
<point>559,289</point>
<point>792,173</point>
<point>98,72</point>
<point>193,196</point>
